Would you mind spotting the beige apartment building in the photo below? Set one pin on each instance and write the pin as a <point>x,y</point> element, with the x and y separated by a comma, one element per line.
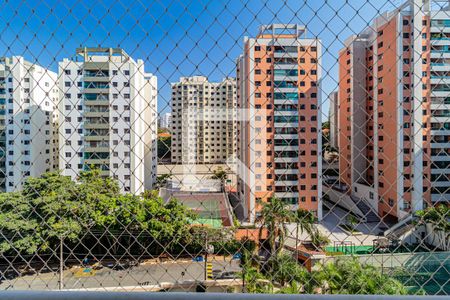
<point>203,124</point>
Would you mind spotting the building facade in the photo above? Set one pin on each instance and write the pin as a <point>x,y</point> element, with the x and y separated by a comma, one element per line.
<point>333,116</point>
<point>203,124</point>
<point>394,101</point>
<point>28,116</point>
<point>164,120</point>
<point>108,117</point>
<point>279,129</point>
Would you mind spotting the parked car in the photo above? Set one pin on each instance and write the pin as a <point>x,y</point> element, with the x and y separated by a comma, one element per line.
<point>229,275</point>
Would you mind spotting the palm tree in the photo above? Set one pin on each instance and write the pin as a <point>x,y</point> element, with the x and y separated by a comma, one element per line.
<point>274,217</point>
<point>304,220</point>
<point>318,239</point>
<point>352,222</point>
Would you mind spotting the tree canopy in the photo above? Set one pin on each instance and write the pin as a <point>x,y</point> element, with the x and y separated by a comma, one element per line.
<point>55,206</point>
<point>346,276</point>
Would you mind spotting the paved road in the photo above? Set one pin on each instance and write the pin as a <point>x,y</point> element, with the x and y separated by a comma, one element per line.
<point>144,274</point>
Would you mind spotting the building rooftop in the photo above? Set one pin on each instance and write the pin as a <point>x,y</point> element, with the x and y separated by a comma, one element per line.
<point>295,30</point>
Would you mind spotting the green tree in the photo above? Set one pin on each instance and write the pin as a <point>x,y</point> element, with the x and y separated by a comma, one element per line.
<point>438,215</point>
<point>285,269</point>
<point>221,175</point>
<point>439,218</point>
<point>349,276</point>
<point>274,217</point>
<point>255,282</point>
<point>346,276</point>
<point>161,180</point>
<point>88,211</point>
<point>352,221</point>
<point>18,229</point>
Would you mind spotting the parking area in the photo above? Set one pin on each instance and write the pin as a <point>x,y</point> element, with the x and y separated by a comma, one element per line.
<point>145,274</point>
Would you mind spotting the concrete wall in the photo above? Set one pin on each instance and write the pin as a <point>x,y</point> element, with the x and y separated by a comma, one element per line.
<point>437,238</point>
<point>343,200</point>
<point>367,193</point>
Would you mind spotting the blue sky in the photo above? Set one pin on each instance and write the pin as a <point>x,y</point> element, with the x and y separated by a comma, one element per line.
<point>176,38</point>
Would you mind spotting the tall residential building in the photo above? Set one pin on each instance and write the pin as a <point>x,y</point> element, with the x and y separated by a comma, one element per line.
<point>279,131</point>
<point>28,96</point>
<point>108,117</point>
<point>203,121</point>
<point>164,120</point>
<point>333,119</point>
<point>394,110</point>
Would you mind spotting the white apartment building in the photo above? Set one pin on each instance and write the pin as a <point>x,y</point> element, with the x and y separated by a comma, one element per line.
<point>28,97</point>
<point>203,123</point>
<point>109,117</point>
<point>164,120</point>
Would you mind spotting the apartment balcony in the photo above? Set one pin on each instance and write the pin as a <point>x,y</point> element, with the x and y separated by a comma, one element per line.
<point>96,103</point>
<point>439,103</point>
<point>440,41</point>
<point>440,145</point>
<point>286,171</point>
<point>286,194</point>
<point>285,66</point>
<point>285,77</point>
<point>440,54</point>
<point>286,89</point>
<point>96,161</point>
<point>442,119</point>
<point>436,132</point>
<point>97,149</point>
<point>282,54</point>
<point>441,184</point>
<point>286,182</point>
<point>439,67</point>
<point>284,124</point>
<point>97,79</point>
<point>98,114</point>
<point>285,136</point>
<point>440,171</point>
<point>286,112</point>
<point>439,29</point>
<point>285,159</point>
<point>286,148</point>
<point>97,138</point>
<point>285,101</point>
<point>435,93</point>
<point>440,79</point>
<point>440,197</point>
<point>96,90</point>
<point>96,125</point>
